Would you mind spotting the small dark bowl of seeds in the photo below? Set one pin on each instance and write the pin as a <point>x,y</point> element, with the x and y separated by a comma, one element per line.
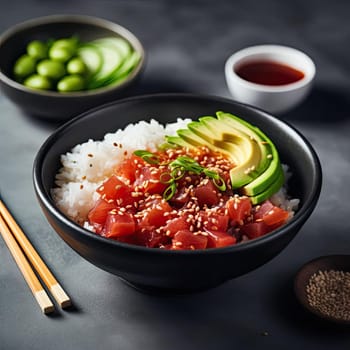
<point>323,287</point>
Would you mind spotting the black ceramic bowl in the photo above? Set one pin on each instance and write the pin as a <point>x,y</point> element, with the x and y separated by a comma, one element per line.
<point>51,104</point>
<point>179,271</point>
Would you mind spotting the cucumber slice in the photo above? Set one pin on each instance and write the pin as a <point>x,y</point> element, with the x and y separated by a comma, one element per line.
<point>91,57</point>
<point>117,60</point>
<point>112,59</point>
<point>123,71</point>
<point>119,43</point>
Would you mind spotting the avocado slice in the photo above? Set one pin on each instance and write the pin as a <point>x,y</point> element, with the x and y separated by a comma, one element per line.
<point>253,132</point>
<point>194,140</point>
<point>212,137</point>
<point>176,141</point>
<point>267,178</point>
<point>246,149</point>
<point>258,173</point>
<point>274,186</point>
<point>217,132</point>
<point>271,163</point>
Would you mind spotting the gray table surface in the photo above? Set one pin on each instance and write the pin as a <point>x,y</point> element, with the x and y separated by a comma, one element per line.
<point>187,45</point>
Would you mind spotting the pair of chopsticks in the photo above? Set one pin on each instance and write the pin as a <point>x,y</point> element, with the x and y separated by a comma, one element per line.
<point>23,252</point>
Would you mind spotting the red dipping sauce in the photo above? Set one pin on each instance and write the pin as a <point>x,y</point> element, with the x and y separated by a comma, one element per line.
<point>269,73</point>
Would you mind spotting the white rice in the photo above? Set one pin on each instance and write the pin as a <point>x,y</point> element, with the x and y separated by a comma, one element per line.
<point>87,165</point>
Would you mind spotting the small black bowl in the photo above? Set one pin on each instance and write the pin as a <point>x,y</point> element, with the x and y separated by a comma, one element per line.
<point>50,104</point>
<point>166,270</point>
<point>324,263</point>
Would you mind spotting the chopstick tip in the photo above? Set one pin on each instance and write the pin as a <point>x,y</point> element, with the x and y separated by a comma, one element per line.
<point>44,302</point>
<point>60,295</point>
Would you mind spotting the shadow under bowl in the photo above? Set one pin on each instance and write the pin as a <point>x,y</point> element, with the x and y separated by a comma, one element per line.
<point>166,270</point>
<point>54,105</point>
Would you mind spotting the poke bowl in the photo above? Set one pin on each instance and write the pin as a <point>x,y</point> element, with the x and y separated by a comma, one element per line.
<point>55,67</point>
<point>162,257</point>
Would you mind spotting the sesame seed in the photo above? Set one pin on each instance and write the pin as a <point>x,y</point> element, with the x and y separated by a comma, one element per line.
<point>136,194</point>
<point>153,181</point>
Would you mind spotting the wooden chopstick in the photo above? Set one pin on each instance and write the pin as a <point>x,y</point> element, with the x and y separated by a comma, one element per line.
<point>28,274</point>
<point>50,281</point>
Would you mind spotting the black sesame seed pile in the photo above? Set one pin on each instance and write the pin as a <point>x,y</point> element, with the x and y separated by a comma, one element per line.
<point>329,293</point>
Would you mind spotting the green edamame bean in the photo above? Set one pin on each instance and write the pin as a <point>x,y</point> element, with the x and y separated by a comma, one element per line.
<point>69,43</point>
<point>63,49</point>
<point>39,82</point>
<point>71,83</point>
<point>61,54</point>
<point>51,69</point>
<point>76,66</point>
<point>37,49</point>
<point>24,66</point>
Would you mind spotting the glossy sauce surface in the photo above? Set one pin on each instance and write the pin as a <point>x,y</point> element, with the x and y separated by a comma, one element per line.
<point>269,73</point>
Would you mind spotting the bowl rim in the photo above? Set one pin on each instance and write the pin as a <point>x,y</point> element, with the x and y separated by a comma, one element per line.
<point>274,50</point>
<point>78,19</point>
<point>296,221</point>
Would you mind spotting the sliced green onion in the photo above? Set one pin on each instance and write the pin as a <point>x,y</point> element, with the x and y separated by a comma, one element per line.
<point>166,178</point>
<point>211,173</point>
<point>178,169</point>
<point>148,157</point>
<point>178,172</point>
<point>217,179</point>
<point>188,164</point>
<point>219,183</point>
<point>169,191</point>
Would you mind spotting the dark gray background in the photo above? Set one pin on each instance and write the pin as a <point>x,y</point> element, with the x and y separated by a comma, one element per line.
<point>187,44</point>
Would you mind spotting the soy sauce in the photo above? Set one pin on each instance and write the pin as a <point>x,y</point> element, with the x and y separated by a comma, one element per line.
<point>269,73</point>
